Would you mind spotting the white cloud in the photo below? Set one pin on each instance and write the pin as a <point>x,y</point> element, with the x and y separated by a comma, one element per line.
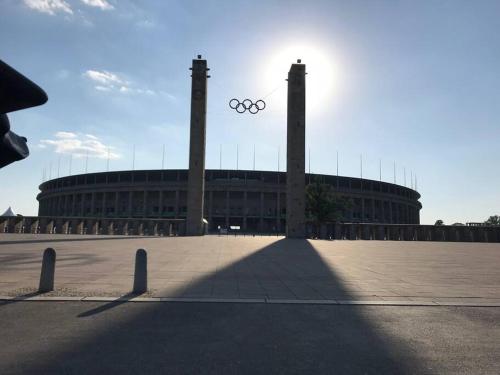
<point>49,6</point>
<point>108,81</point>
<point>65,135</point>
<point>102,88</point>
<point>103,4</point>
<point>103,77</point>
<point>145,91</point>
<point>79,145</point>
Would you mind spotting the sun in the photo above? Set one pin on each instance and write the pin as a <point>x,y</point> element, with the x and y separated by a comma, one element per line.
<point>320,79</point>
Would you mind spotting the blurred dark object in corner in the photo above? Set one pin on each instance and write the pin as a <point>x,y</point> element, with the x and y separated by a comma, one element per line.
<point>16,92</point>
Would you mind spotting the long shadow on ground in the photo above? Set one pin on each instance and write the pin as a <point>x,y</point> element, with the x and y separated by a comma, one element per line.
<point>13,260</point>
<point>222,338</point>
<point>101,238</point>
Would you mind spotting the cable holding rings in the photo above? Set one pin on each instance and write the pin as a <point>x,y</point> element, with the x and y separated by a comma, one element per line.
<point>247,105</point>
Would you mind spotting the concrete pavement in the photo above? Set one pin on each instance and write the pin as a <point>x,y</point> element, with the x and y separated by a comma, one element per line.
<point>206,338</point>
<point>307,331</point>
<point>258,268</point>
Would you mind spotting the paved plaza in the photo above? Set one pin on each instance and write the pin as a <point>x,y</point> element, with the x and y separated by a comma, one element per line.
<point>250,338</point>
<point>258,268</point>
<point>316,307</point>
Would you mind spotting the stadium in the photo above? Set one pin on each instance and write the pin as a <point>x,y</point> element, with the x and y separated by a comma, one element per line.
<point>253,201</point>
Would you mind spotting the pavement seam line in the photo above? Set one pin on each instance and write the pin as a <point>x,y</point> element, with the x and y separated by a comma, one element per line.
<point>248,300</point>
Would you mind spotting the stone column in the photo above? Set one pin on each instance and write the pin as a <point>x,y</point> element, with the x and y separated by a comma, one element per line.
<point>92,205</point>
<point>145,203</point>
<point>295,162</point>
<point>82,204</point>
<point>261,213</point>
<point>210,206</point>
<point>34,226</point>
<point>110,228</point>
<point>65,227</point>
<point>337,231</point>
<point>95,227</point>
<point>380,235</point>
<point>124,227</point>
<point>3,225</point>
<point>245,209</point>
<point>196,177</point>
<point>130,198</point>
<point>278,213</point>
<point>103,212</point>
<point>160,203</point>
<point>176,204</point>
<point>227,209</point>
<point>58,206</point>
<point>79,227</point>
<point>117,204</point>
<point>73,206</point>
<point>382,211</point>
<point>66,205</point>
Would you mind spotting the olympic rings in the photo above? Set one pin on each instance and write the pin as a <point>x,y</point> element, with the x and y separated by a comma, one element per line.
<point>247,105</point>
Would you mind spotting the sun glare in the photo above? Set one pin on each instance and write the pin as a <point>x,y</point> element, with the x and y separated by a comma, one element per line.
<point>320,79</point>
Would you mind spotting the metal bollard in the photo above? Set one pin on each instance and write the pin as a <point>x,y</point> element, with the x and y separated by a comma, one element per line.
<point>48,270</point>
<point>141,272</point>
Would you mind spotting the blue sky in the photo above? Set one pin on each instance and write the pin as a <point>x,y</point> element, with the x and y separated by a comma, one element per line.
<point>415,82</point>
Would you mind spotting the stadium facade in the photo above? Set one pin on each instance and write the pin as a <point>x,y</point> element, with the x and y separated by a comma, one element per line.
<point>255,201</point>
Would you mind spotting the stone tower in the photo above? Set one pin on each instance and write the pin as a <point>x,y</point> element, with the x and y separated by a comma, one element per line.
<point>197,140</point>
<point>296,152</point>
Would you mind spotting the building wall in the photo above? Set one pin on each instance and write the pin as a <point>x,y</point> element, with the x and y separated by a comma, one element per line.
<point>254,200</point>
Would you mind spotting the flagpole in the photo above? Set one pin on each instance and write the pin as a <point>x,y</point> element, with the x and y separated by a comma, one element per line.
<point>338,170</point>
<point>163,157</point>
<point>279,158</point>
<point>309,162</point>
<point>254,156</point>
<point>133,157</point>
<point>361,165</point>
<point>107,162</point>
<point>337,163</point>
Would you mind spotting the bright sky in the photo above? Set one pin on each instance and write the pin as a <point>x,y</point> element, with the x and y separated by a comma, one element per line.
<point>415,82</point>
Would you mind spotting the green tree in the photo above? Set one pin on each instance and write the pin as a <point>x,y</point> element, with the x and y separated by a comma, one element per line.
<point>323,205</point>
<point>439,222</point>
<point>493,220</point>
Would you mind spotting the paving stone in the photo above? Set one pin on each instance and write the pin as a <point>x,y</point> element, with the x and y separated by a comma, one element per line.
<point>238,267</point>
